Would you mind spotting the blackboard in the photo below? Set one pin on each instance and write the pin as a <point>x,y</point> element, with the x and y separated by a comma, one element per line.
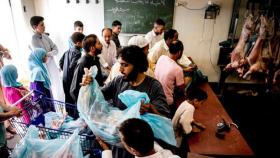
<point>138,16</point>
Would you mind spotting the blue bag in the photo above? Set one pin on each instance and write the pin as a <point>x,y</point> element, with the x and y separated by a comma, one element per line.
<point>31,146</point>
<point>103,119</point>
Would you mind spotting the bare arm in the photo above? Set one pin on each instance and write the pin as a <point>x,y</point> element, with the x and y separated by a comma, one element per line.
<point>11,112</point>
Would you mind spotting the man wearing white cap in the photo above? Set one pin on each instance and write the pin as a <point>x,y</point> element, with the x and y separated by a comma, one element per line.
<point>139,41</point>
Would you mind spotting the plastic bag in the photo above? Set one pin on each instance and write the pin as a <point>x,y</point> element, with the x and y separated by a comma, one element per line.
<point>103,119</point>
<point>66,123</point>
<point>161,126</point>
<point>31,146</point>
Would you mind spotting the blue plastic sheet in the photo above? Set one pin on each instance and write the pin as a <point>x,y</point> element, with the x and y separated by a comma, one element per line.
<point>31,146</point>
<point>103,119</point>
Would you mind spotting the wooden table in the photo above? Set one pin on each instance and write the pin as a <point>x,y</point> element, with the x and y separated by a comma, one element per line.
<point>205,142</point>
<point>232,82</point>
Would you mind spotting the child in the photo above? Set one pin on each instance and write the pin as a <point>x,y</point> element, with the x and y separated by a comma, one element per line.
<point>183,121</point>
<point>78,27</point>
<point>13,90</point>
<point>137,138</point>
<point>39,75</point>
<point>68,63</point>
<point>41,40</point>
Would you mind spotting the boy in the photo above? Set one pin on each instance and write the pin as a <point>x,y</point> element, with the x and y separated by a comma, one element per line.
<point>78,27</point>
<point>137,138</point>
<point>41,40</point>
<point>68,63</point>
<point>183,121</point>
<point>116,28</point>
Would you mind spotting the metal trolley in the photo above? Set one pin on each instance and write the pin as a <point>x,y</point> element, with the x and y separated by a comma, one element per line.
<point>33,110</point>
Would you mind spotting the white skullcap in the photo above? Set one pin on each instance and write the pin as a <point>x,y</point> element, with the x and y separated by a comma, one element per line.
<point>139,41</point>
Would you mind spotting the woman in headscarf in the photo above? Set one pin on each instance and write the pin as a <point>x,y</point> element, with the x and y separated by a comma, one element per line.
<point>39,75</point>
<point>13,90</point>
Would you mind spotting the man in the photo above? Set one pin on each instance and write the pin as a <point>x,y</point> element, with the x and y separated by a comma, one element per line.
<point>40,40</point>
<point>78,27</point>
<point>10,112</point>
<point>92,48</point>
<point>139,41</point>
<point>156,34</point>
<point>168,72</point>
<point>134,63</point>
<point>116,28</point>
<point>68,63</point>
<point>138,139</point>
<point>162,47</point>
<point>108,55</point>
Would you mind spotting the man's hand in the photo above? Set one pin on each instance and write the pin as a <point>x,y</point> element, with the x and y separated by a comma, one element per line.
<point>148,108</point>
<point>188,69</point>
<point>7,55</point>
<point>87,79</point>
<point>15,111</point>
<point>108,68</point>
<point>144,107</point>
<point>104,145</point>
<point>199,125</point>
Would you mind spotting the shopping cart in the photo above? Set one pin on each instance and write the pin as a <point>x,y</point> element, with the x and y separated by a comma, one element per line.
<point>32,108</point>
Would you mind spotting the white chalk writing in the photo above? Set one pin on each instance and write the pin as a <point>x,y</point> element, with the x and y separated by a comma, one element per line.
<point>117,10</point>
<point>151,2</point>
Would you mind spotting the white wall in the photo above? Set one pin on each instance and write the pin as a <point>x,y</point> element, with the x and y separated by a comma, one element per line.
<point>60,17</point>
<point>200,37</point>
<point>15,34</point>
<point>7,33</point>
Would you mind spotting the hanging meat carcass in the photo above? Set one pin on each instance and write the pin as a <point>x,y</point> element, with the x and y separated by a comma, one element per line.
<point>260,56</point>
<point>275,46</point>
<point>237,55</point>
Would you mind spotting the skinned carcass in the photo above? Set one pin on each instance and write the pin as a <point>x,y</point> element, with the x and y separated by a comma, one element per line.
<point>260,56</point>
<point>275,46</point>
<point>237,55</point>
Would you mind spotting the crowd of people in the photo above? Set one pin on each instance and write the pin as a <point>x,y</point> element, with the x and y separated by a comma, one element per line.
<point>152,64</point>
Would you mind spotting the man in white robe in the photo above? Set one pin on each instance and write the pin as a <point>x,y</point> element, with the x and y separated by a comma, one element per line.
<point>41,40</point>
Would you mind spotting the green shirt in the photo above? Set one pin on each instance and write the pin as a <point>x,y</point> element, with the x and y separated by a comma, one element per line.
<point>2,132</point>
